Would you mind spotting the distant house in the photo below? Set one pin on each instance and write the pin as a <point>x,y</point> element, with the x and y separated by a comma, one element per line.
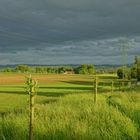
<point>69,72</point>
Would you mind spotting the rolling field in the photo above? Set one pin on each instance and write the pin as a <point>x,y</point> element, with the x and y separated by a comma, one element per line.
<point>65,109</point>
<point>13,94</point>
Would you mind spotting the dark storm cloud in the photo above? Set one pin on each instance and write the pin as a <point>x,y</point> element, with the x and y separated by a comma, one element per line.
<point>61,29</point>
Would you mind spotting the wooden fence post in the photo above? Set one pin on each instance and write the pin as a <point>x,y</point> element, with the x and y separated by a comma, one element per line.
<point>119,84</point>
<point>31,125</point>
<point>96,89</point>
<point>112,86</point>
<point>123,85</point>
<point>31,89</point>
<point>129,85</point>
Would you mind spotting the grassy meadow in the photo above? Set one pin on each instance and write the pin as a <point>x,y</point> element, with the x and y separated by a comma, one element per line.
<point>65,108</point>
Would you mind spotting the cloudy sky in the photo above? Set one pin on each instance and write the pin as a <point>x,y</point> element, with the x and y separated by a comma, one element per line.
<point>68,31</point>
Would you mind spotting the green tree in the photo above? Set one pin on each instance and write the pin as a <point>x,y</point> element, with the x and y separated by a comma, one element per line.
<point>40,70</point>
<point>90,69</point>
<point>135,69</point>
<point>22,68</point>
<point>123,73</point>
<point>61,69</point>
<point>8,70</point>
<point>84,69</point>
<point>138,74</point>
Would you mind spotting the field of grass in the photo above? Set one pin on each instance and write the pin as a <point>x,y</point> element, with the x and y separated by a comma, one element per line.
<point>51,87</point>
<point>65,109</point>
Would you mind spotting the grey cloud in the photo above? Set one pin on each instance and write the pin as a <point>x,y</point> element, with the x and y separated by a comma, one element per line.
<point>89,51</point>
<point>77,28</point>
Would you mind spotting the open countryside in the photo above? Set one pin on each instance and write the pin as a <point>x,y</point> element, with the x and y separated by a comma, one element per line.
<point>65,106</point>
<point>69,69</point>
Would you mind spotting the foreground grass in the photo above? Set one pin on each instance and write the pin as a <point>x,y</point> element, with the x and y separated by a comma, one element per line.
<point>77,117</point>
<point>65,109</point>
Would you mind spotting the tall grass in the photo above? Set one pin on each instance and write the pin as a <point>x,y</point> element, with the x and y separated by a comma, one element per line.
<point>129,105</point>
<point>62,115</point>
<point>73,117</point>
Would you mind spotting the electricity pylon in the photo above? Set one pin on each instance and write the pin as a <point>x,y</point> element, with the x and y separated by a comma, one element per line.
<point>124,45</point>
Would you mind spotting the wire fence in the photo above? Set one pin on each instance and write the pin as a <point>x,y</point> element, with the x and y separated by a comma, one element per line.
<point>114,85</point>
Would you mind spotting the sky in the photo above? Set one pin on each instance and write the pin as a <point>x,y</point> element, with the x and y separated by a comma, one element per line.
<point>68,31</point>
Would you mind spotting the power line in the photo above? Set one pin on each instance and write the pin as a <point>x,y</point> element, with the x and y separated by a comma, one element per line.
<point>124,45</point>
<point>20,36</point>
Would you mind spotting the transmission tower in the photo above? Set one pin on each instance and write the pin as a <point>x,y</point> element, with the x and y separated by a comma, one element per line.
<point>124,45</point>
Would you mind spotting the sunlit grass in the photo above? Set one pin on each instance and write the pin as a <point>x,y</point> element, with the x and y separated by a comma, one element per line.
<point>65,109</point>
<point>73,117</point>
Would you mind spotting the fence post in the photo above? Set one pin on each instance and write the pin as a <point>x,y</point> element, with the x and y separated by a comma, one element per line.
<point>96,89</point>
<point>31,117</point>
<point>129,85</point>
<point>123,85</point>
<point>119,84</point>
<point>112,86</point>
<point>31,89</point>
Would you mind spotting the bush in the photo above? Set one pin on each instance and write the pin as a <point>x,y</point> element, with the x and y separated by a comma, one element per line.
<point>124,73</point>
<point>85,69</point>
<point>22,68</point>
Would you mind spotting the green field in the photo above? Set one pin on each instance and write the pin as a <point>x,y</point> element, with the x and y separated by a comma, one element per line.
<point>65,109</point>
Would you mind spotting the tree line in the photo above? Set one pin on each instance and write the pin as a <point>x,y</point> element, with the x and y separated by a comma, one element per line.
<point>82,69</point>
<point>132,72</point>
